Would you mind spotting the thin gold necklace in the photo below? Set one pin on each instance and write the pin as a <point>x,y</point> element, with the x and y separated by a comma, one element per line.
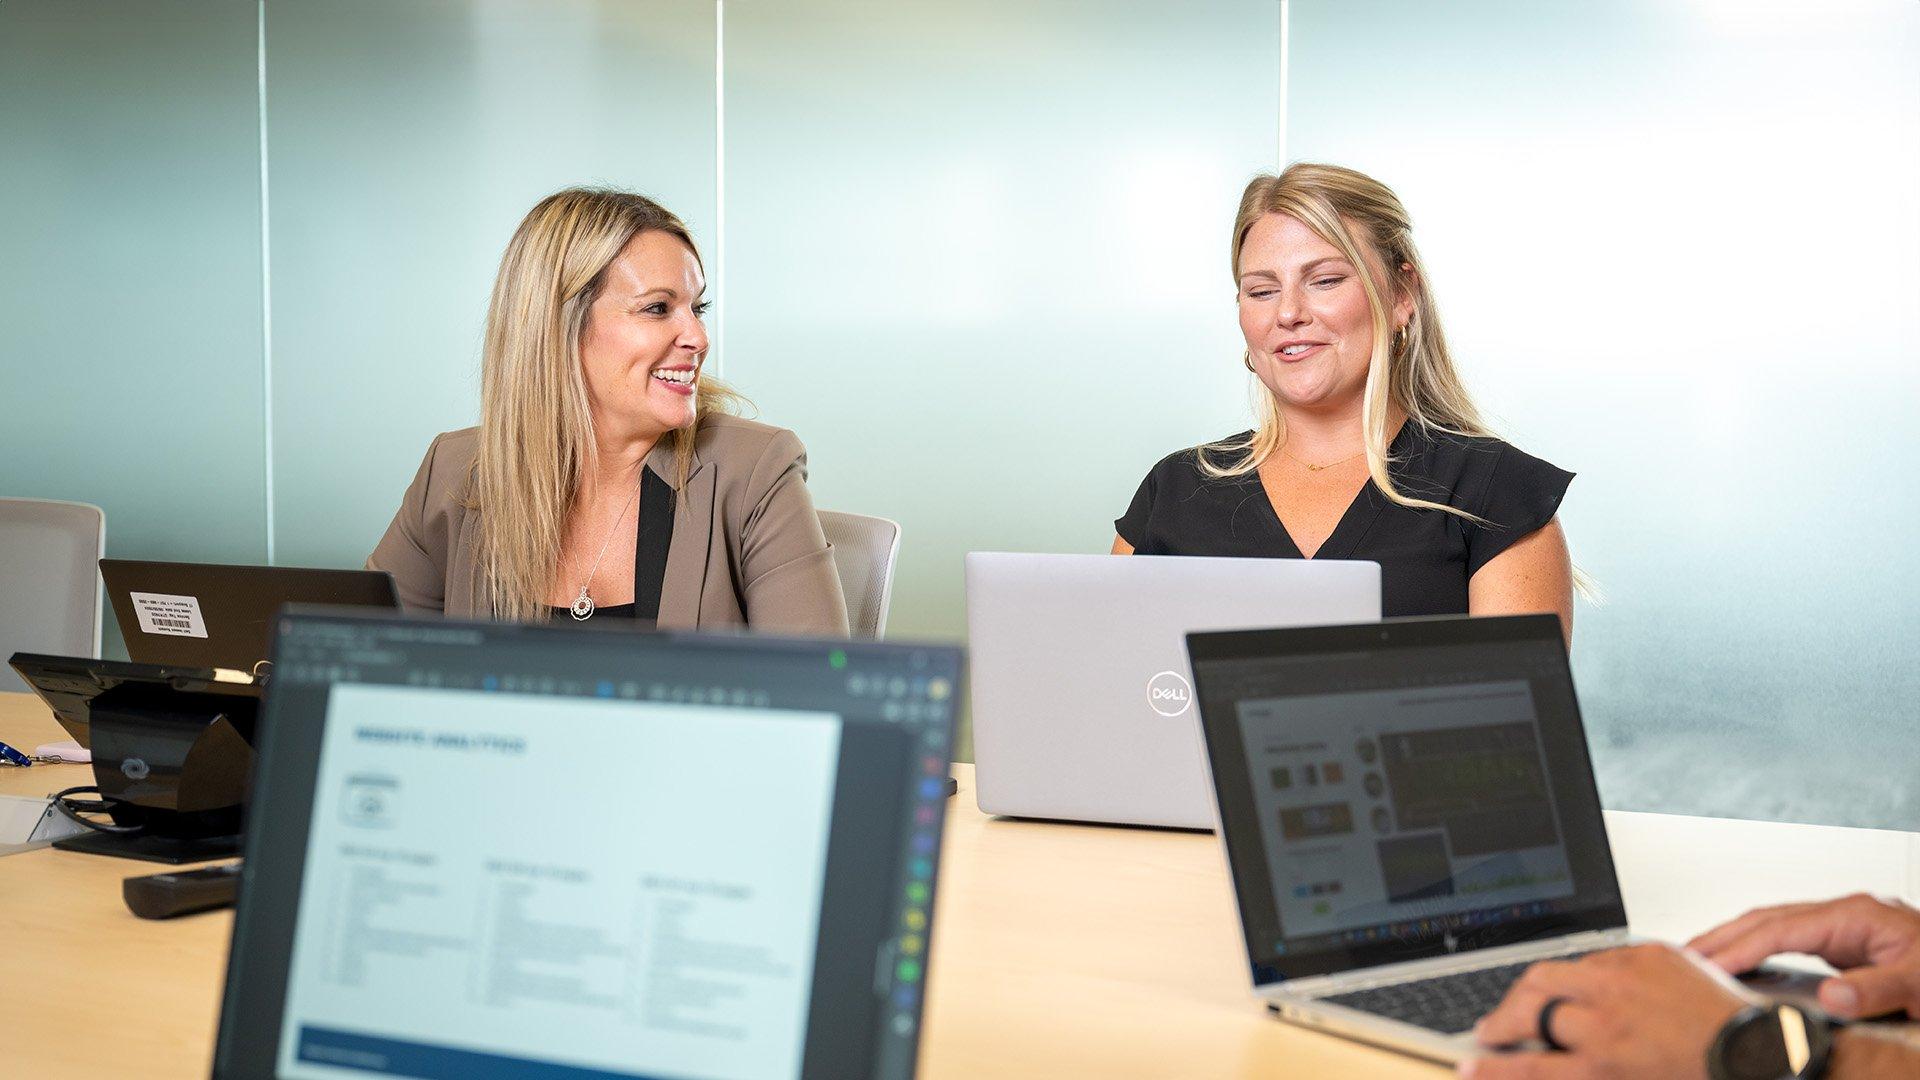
<point>1322,468</point>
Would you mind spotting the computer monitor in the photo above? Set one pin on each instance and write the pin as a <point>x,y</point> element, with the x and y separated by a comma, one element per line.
<point>209,615</point>
<point>484,849</point>
<point>171,751</point>
<point>71,684</point>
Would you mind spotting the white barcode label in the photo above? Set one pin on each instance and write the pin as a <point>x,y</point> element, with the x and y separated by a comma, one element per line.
<point>160,613</point>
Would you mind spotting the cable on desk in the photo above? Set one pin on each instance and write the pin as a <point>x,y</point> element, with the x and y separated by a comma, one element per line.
<point>72,808</point>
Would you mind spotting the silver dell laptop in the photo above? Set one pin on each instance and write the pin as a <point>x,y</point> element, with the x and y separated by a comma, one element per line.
<point>1082,708</point>
<point>1410,820</point>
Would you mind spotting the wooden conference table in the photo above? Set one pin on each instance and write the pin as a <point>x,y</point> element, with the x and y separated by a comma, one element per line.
<point>1059,950</point>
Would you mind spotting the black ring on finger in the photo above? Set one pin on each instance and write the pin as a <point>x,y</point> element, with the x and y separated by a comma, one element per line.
<point>1545,1023</point>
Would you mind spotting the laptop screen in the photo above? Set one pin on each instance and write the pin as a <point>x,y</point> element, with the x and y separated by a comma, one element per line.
<point>1403,790</point>
<point>572,853</point>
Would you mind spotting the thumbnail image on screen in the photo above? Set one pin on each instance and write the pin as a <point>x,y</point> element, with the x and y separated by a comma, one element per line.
<point>1381,806</point>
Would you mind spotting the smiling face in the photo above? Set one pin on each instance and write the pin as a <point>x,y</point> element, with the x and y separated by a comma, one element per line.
<point>643,342</point>
<point>1304,313</point>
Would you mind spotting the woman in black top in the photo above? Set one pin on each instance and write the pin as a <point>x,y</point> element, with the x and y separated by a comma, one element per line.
<point>1367,446</point>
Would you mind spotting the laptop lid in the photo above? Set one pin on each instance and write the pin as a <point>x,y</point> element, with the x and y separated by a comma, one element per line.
<point>1402,791</point>
<point>210,615</point>
<point>570,852</point>
<point>1082,707</point>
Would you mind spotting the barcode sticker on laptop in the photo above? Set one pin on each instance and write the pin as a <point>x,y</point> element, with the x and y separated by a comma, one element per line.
<point>160,613</point>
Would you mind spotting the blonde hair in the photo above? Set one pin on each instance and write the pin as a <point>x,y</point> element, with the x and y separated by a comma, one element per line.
<point>1365,220</point>
<point>537,447</point>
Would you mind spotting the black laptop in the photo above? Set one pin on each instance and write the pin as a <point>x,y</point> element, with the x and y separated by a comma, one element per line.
<point>500,850</point>
<point>208,615</point>
<point>1411,819</point>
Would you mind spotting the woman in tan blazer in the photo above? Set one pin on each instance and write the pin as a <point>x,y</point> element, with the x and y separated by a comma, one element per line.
<point>607,478</point>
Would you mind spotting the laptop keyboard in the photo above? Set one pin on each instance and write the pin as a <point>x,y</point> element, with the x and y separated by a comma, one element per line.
<point>1449,1004</point>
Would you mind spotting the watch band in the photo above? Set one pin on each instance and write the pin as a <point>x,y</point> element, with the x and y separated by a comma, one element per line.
<point>1774,1041</point>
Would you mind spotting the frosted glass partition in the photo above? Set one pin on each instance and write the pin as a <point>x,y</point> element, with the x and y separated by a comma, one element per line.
<point>405,143</point>
<point>977,256</point>
<point>1675,245</point>
<point>130,270</point>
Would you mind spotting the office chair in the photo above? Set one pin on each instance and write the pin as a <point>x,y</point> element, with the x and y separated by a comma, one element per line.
<point>864,549</point>
<point>50,598</point>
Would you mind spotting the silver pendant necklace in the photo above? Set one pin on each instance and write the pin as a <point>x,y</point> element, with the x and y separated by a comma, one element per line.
<point>583,604</point>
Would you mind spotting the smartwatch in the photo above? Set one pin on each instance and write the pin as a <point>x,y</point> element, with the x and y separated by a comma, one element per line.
<point>1775,1041</point>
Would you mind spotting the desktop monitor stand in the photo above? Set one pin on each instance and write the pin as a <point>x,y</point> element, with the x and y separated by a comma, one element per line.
<point>174,767</point>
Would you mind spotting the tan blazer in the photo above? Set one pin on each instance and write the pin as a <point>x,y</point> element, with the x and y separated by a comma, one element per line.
<point>747,548</point>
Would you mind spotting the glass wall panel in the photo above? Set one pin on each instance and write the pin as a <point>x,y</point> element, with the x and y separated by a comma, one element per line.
<point>406,140</point>
<point>1675,245</point>
<point>130,366</point>
<point>977,256</point>
<point>130,288</point>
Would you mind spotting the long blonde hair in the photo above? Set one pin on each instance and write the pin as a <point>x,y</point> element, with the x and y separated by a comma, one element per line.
<point>1365,220</point>
<point>536,431</point>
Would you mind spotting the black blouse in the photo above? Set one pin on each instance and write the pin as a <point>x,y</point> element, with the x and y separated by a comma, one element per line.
<point>649,557</point>
<point>1425,556</point>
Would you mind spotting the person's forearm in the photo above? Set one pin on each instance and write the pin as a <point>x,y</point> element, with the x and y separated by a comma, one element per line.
<point>1860,1054</point>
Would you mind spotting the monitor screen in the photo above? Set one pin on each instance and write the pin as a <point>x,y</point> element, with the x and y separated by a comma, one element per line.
<point>492,850</point>
<point>1403,790</point>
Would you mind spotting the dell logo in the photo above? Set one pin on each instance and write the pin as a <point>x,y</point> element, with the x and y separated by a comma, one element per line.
<point>1168,693</point>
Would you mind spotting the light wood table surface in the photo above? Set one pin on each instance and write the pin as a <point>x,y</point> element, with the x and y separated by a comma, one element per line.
<point>1059,950</point>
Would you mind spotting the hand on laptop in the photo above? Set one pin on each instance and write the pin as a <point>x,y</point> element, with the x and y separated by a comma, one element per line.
<point>1875,944</point>
<point>1643,1011</point>
<point>1652,1010</point>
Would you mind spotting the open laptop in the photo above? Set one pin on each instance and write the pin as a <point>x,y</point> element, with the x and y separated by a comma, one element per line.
<point>1082,710</point>
<point>569,852</point>
<point>1410,819</point>
<point>208,615</point>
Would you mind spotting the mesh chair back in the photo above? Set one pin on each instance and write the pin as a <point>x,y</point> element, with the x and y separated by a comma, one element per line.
<point>864,549</point>
<point>49,580</point>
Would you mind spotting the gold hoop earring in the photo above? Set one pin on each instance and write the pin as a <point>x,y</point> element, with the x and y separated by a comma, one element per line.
<point>1400,338</point>
<point>1246,357</point>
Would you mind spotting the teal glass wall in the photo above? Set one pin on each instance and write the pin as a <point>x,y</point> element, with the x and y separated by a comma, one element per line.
<point>963,239</point>
<point>130,352</point>
<point>405,142</point>
<point>1675,245</point>
<point>977,256</point>
<point>237,389</point>
<point>130,369</point>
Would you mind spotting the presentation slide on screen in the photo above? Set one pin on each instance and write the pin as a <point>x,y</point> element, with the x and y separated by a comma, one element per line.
<point>617,888</point>
<point>1381,806</point>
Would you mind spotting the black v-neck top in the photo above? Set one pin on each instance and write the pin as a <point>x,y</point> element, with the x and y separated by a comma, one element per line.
<point>649,557</point>
<point>1425,556</point>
